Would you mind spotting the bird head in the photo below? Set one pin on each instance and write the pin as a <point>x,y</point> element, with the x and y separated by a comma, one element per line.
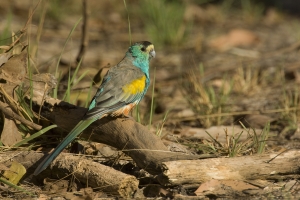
<point>142,50</point>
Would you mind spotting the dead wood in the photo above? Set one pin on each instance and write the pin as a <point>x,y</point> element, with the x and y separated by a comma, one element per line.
<point>267,167</point>
<point>91,173</point>
<point>85,28</point>
<point>8,112</point>
<point>144,147</point>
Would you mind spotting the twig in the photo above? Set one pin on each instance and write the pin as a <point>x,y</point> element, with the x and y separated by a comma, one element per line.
<point>23,30</point>
<point>83,46</point>
<point>84,36</point>
<point>277,155</point>
<point>13,104</point>
<point>3,108</point>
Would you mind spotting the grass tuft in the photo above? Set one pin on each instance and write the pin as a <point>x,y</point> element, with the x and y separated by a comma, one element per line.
<point>205,99</point>
<point>164,21</point>
<point>6,182</point>
<point>249,10</point>
<point>234,146</point>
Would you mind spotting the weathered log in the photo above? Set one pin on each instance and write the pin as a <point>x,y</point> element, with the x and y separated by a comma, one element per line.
<point>144,147</point>
<point>266,166</point>
<point>91,173</point>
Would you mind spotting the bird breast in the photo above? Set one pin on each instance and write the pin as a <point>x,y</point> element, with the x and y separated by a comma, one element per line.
<point>136,86</point>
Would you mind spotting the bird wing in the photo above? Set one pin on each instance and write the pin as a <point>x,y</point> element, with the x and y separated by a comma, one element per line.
<point>123,84</point>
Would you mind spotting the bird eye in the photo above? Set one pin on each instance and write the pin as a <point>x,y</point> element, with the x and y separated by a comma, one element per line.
<point>143,49</point>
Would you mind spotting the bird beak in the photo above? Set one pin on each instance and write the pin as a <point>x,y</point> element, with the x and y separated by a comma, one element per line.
<point>152,54</point>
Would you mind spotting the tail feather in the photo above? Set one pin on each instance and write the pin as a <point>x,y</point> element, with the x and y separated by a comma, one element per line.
<point>83,124</point>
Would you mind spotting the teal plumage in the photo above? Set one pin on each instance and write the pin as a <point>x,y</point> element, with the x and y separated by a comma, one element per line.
<point>122,88</point>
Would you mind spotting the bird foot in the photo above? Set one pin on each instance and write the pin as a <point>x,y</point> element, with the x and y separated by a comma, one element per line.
<point>127,116</point>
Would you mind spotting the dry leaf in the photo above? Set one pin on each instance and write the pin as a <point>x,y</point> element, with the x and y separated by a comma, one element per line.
<point>221,188</point>
<point>15,69</point>
<point>43,197</point>
<point>296,135</point>
<point>154,190</point>
<point>10,134</point>
<point>13,72</point>
<point>55,186</point>
<point>42,84</point>
<point>15,173</point>
<point>235,38</point>
<point>4,57</point>
<point>97,80</point>
<point>256,121</point>
<point>3,167</point>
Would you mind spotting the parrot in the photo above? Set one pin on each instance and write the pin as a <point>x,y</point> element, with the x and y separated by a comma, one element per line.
<point>122,88</point>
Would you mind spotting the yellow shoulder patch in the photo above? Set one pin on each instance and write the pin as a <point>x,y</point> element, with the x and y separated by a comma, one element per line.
<point>136,86</point>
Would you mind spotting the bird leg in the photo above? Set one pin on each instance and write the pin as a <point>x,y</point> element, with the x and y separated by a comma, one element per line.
<point>127,116</point>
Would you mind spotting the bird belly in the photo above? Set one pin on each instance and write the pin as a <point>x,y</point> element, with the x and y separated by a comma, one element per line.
<point>124,110</point>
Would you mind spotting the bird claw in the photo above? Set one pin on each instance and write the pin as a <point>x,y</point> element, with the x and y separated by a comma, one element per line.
<point>127,116</point>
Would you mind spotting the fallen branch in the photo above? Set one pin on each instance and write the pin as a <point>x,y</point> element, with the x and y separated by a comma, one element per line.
<point>267,167</point>
<point>91,173</point>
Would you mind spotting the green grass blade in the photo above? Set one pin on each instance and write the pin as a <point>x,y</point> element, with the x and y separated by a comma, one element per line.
<point>152,100</point>
<point>137,112</point>
<point>59,58</point>
<point>68,91</point>
<point>37,134</point>
<point>263,138</point>
<point>89,96</point>
<point>28,114</point>
<point>76,71</point>
<point>55,91</point>
<point>71,81</point>
<point>234,151</point>
<point>6,182</point>
<point>30,73</point>
<point>213,139</point>
<point>129,28</point>
<point>82,76</point>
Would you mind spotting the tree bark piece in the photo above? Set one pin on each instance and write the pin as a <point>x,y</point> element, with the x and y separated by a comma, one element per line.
<point>95,175</point>
<point>87,171</point>
<point>267,166</point>
<point>144,147</point>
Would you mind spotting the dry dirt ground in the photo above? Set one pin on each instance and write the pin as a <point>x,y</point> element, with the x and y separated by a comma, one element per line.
<point>226,85</point>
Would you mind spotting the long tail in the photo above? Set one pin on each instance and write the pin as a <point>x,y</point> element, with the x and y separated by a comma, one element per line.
<point>83,124</point>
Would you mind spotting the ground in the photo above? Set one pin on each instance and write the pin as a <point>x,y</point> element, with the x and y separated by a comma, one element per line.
<point>218,65</point>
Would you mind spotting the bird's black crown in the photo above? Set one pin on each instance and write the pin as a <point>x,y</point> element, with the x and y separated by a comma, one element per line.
<point>144,43</point>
